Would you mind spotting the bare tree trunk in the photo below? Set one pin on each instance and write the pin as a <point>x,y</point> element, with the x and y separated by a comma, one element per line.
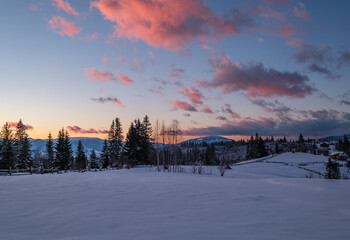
<point>163,138</point>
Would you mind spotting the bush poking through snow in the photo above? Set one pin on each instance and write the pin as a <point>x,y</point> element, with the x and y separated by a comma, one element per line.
<point>222,170</point>
<point>200,169</point>
<point>194,169</point>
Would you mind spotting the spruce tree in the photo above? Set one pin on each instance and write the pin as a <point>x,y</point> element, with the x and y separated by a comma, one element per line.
<point>332,169</point>
<point>210,156</point>
<point>60,160</point>
<point>256,148</point>
<point>7,152</point>
<point>301,138</point>
<point>346,145</point>
<point>277,150</point>
<point>63,151</point>
<point>146,140</point>
<point>94,161</point>
<point>262,151</point>
<point>104,157</point>
<point>130,147</point>
<point>22,152</point>
<point>68,151</point>
<point>80,158</point>
<point>115,140</point>
<point>49,153</point>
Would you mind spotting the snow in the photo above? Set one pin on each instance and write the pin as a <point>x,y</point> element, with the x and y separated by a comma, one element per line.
<point>252,201</point>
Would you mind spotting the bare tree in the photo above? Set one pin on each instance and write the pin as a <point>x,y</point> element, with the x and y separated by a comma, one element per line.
<point>163,133</point>
<point>156,138</point>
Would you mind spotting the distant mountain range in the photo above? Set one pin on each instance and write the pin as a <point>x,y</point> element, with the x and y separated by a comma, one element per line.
<point>88,143</point>
<point>208,139</point>
<point>97,143</point>
<point>334,138</point>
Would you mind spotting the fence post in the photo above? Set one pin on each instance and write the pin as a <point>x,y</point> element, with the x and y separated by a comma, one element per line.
<point>10,171</point>
<point>31,170</point>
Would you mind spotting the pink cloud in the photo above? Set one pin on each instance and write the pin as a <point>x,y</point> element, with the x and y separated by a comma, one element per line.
<point>302,13</point>
<point>168,24</point>
<point>61,26</point>
<point>177,104</point>
<point>65,6</point>
<point>26,127</point>
<point>91,37</point>
<point>99,76</point>
<point>195,96</point>
<point>76,129</point>
<point>125,80</point>
<point>207,109</point>
<point>256,80</point>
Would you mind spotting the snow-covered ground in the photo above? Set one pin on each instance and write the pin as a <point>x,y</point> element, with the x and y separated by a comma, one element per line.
<point>252,201</point>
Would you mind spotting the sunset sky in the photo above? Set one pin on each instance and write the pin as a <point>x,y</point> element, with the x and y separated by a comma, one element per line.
<point>229,68</point>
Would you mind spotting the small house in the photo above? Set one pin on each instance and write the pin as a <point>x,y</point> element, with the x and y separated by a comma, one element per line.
<point>338,155</point>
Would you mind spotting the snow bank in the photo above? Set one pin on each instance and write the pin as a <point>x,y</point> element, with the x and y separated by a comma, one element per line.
<point>143,204</point>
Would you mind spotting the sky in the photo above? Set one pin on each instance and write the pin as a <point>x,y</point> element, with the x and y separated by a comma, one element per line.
<point>229,68</point>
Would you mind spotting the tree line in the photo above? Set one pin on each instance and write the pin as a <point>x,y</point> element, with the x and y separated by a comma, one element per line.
<point>16,153</point>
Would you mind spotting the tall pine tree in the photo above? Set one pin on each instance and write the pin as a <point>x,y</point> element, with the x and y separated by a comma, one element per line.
<point>104,157</point>
<point>68,151</point>
<point>80,158</point>
<point>131,146</point>
<point>7,152</point>
<point>115,140</point>
<point>49,153</point>
<point>94,161</point>
<point>146,140</point>
<point>63,151</point>
<point>22,152</point>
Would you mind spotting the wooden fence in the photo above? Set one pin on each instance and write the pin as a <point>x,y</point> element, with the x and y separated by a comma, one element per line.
<point>27,171</point>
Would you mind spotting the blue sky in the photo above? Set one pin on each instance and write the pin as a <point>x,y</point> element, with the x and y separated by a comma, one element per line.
<point>277,67</point>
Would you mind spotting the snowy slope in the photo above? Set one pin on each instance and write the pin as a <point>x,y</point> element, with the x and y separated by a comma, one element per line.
<point>268,199</point>
<point>142,204</point>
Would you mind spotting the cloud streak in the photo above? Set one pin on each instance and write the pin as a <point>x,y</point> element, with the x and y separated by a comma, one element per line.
<point>108,99</point>
<point>61,26</point>
<point>65,6</point>
<point>25,126</point>
<point>177,104</point>
<point>100,76</point>
<point>256,80</point>
<point>79,130</point>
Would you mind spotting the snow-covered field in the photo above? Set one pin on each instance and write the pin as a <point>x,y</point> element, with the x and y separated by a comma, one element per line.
<point>252,201</point>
